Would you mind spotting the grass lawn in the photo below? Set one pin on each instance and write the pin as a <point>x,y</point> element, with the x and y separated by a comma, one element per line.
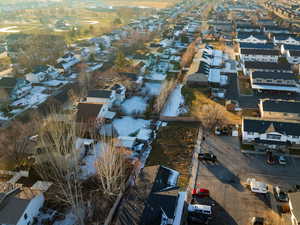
<point>173,148</point>
<point>245,87</point>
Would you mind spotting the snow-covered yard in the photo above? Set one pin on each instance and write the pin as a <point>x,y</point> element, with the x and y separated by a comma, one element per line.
<point>174,103</point>
<point>128,125</point>
<point>152,88</point>
<point>88,166</point>
<point>134,105</point>
<point>156,76</point>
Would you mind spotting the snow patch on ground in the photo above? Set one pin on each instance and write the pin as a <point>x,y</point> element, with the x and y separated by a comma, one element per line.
<point>88,167</point>
<point>152,88</point>
<point>9,29</point>
<point>156,76</point>
<point>128,125</point>
<point>174,103</point>
<point>134,105</point>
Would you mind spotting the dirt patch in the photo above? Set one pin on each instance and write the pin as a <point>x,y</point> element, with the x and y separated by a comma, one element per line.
<point>174,148</point>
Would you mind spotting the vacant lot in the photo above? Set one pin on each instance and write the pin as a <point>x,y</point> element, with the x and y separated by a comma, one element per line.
<point>174,148</point>
<point>245,86</point>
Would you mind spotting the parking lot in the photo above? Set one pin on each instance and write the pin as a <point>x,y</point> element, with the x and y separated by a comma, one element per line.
<point>234,204</point>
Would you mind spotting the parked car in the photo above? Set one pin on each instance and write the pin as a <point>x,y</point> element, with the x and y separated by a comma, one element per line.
<point>257,221</point>
<point>201,192</point>
<point>282,160</point>
<point>207,156</point>
<point>280,195</point>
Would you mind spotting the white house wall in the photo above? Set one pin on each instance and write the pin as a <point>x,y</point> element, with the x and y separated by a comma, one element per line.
<point>248,137</point>
<point>32,210</point>
<point>260,58</point>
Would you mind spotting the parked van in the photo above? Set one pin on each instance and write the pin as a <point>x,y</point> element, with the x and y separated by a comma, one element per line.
<point>257,186</point>
<point>203,209</point>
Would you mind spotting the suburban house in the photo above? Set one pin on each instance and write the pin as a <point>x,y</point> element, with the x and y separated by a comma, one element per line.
<point>261,55</point>
<point>252,37</point>
<point>294,203</point>
<point>42,73</point>
<point>248,45</point>
<point>293,56</point>
<point>12,88</point>
<point>154,199</point>
<point>287,39</point>
<point>106,97</point>
<point>278,109</point>
<point>216,78</point>
<point>120,93</point>
<point>67,61</point>
<point>20,205</point>
<point>270,133</point>
<point>90,112</point>
<point>274,81</point>
<point>275,29</point>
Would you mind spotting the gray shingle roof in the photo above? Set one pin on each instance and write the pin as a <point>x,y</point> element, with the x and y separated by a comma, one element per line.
<point>12,209</point>
<point>99,93</point>
<point>281,106</point>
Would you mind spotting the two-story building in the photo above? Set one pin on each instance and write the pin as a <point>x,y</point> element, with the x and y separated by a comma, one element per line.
<point>42,73</point>
<point>12,88</point>
<point>270,133</point>
<point>153,199</point>
<point>274,81</point>
<point>253,66</point>
<point>287,39</point>
<point>278,109</point>
<point>261,55</point>
<point>21,205</point>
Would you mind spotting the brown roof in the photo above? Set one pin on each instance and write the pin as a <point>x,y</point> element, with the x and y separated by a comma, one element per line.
<point>87,112</point>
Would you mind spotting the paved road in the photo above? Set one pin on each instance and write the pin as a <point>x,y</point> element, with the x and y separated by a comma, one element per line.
<point>234,203</point>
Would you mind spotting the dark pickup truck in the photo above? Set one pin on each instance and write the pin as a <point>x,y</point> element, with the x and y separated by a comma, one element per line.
<point>207,157</point>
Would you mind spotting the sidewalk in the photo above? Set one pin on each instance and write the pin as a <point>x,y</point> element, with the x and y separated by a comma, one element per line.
<point>195,165</point>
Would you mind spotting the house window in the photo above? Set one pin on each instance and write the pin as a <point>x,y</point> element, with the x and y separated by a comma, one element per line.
<point>250,133</point>
<point>295,137</point>
<point>273,136</point>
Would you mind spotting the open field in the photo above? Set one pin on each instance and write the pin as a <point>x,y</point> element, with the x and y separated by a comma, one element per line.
<point>174,148</point>
<point>150,4</point>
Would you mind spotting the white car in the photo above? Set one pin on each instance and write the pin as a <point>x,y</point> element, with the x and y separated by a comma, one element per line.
<point>203,209</point>
<point>257,186</point>
<point>282,160</point>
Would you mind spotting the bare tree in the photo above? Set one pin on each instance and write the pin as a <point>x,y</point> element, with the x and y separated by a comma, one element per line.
<point>211,116</point>
<point>58,162</point>
<point>15,143</point>
<point>111,168</point>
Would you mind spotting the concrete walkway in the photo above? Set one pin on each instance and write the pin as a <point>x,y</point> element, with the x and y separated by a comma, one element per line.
<point>195,165</point>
